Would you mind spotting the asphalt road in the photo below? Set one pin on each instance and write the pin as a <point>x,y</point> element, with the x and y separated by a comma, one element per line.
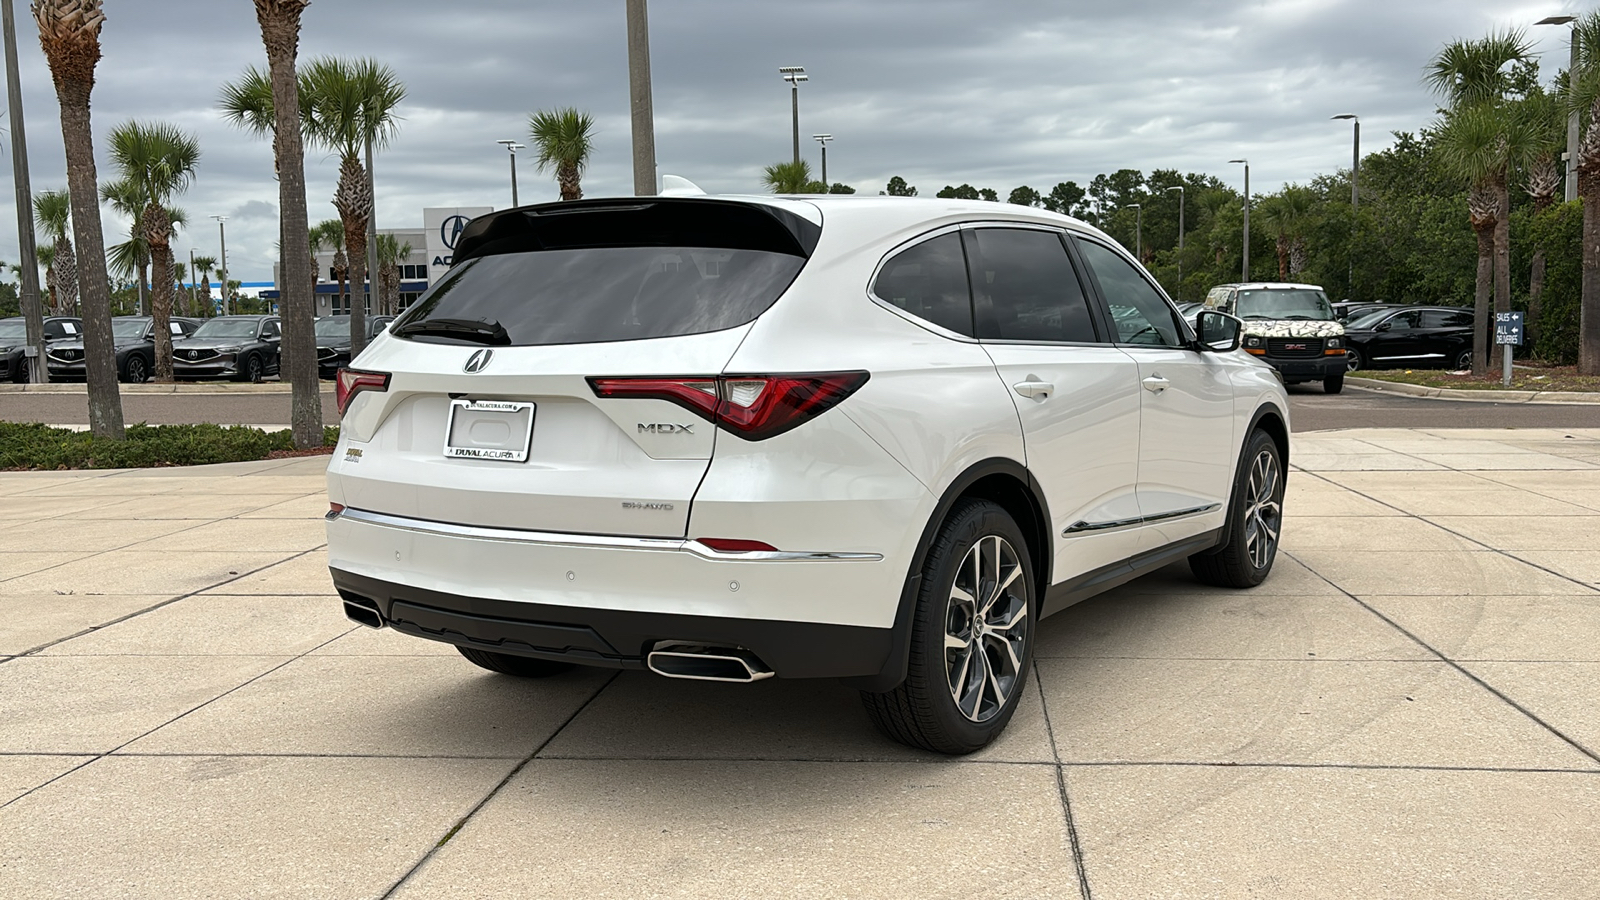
<point>1310,409</point>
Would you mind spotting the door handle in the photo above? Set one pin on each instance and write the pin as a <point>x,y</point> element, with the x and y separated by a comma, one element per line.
<point>1155,384</point>
<point>1034,390</point>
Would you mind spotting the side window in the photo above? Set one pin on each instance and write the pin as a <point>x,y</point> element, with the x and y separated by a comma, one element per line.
<point>1404,321</point>
<point>1138,311</point>
<point>270,330</point>
<point>1024,287</point>
<point>54,331</point>
<point>929,281</point>
<point>177,328</point>
<point>1439,318</point>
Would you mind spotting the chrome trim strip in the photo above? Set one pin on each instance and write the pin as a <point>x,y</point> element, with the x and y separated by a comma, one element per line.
<point>1092,527</point>
<point>591,541</point>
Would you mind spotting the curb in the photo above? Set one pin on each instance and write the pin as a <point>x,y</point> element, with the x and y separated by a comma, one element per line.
<point>222,388</point>
<point>1482,396</point>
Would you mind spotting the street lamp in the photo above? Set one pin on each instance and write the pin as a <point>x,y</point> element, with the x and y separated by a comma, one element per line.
<point>512,147</point>
<point>222,230</point>
<point>1355,194</point>
<point>1572,117</point>
<point>1181,195</point>
<point>823,139</point>
<point>1138,230</point>
<point>32,305</point>
<point>1246,276</point>
<point>794,75</point>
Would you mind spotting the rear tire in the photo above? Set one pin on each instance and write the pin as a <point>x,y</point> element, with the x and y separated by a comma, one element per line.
<point>1464,361</point>
<point>520,666</point>
<point>971,637</point>
<point>1333,384</point>
<point>1255,520</point>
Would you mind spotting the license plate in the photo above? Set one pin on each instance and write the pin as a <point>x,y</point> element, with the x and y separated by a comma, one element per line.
<point>489,429</point>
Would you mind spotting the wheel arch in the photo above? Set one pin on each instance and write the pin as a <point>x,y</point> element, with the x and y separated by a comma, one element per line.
<point>1004,482</point>
<point>1268,418</point>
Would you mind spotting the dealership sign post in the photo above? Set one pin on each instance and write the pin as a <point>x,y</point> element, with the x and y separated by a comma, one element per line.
<point>1507,334</point>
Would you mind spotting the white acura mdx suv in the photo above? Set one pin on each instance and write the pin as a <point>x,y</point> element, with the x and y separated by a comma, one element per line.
<point>728,438</point>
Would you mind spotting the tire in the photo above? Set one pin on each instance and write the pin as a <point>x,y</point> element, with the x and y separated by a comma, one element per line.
<point>1463,360</point>
<point>134,370</point>
<point>253,369</point>
<point>1353,361</point>
<point>1255,520</point>
<point>978,570</point>
<point>520,666</point>
<point>1333,384</point>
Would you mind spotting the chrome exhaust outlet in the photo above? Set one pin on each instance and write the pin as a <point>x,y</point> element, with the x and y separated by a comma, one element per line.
<point>700,663</point>
<point>362,611</point>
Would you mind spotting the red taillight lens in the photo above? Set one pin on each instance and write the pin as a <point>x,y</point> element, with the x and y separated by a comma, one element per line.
<point>351,382</point>
<point>755,407</point>
<point>734,545</point>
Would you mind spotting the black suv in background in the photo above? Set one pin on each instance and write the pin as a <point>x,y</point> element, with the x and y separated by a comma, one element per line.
<point>14,342</point>
<point>333,341</point>
<point>134,338</point>
<point>1417,337</point>
<point>244,348</point>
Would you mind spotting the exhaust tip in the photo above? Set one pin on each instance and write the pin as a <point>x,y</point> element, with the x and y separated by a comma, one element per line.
<point>699,663</point>
<point>363,612</point>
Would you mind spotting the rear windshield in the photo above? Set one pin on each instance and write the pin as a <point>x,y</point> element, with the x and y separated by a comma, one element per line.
<point>129,328</point>
<point>604,294</point>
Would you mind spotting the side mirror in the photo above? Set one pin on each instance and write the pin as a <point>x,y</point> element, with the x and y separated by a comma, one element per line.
<point>1218,332</point>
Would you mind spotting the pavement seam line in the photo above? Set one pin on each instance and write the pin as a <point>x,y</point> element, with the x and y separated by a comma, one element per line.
<point>1455,665</point>
<point>1061,787</point>
<point>93,628</point>
<point>493,792</point>
<point>249,681</point>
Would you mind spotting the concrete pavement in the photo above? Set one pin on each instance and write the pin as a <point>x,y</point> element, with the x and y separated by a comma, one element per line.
<point>1404,709</point>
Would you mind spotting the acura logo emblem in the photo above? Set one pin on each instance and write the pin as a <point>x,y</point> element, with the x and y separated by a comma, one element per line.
<point>478,362</point>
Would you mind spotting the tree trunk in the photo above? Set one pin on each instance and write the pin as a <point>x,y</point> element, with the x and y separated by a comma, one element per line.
<point>341,268</point>
<point>280,33</point>
<point>567,178</point>
<point>99,349</point>
<point>354,203</point>
<point>156,228</point>
<point>1535,299</point>
<point>1502,249</point>
<point>1589,309</point>
<point>66,269</point>
<point>1483,301</point>
<point>1282,247</point>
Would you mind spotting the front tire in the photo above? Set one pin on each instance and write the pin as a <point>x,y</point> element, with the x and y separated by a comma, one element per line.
<point>520,666</point>
<point>1464,361</point>
<point>253,369</point>
<point>134,371</point>
<point>1333,384</point>
<point>971,636</point>
<point>1255,520</point>
<point>1353,361</point>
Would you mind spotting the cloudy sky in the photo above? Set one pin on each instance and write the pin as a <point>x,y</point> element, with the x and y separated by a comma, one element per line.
<point>998,93</point>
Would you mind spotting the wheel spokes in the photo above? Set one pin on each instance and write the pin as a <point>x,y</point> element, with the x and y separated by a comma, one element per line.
<point>986,623</point>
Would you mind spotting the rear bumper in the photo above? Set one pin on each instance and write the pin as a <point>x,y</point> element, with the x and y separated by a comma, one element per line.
<point>617,639</point>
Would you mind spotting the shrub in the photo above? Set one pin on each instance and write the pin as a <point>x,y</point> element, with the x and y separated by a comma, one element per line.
<point>30,446</point>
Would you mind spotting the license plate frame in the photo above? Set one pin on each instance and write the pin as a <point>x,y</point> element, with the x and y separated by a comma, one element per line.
<point>482,410</point>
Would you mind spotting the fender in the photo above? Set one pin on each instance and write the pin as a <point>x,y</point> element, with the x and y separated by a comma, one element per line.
<point>895,666</point>
<point>1263,411</point>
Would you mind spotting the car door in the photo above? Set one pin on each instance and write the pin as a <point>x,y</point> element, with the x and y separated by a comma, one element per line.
<point>1186,422</point>
<point>272,336</point>
<point>1446,333</point>
<point>1396,338</point>
<point>1076,395</point>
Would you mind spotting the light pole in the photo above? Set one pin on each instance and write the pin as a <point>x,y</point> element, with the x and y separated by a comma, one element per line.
<point>194,284</point>
<point>794,75</point>
<point>1181,195</point>
<point>512,147</point>
<point>823,139</point>
<point>1138,230</point>
<point>222,231</point>
<point>1246,276</point>
<point>639,96</point>
<point>1572,117</point>
<point>32,310</point>
<point>1355,194</point>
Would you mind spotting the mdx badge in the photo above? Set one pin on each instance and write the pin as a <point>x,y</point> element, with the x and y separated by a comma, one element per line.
<point>667,428</point>
<point>477,362</point>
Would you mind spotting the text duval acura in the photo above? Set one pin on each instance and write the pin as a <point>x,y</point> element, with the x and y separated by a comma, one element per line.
<point>732,438</point>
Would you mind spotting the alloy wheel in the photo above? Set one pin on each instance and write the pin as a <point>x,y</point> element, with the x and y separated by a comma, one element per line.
<point>986,626</point>
<point>136,373</point>
<point>1352,361</point>
<point>1264,513</point>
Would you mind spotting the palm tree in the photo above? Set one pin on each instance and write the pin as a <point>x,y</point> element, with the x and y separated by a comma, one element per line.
<point>391,254</point>
<point>1286,216</point>
<point>280,33</point>
<point>131,257</point>
<point>69,33</point>
<point>1472,144</point>
<point>330,233</point>
<point>203,267</point>
<point>1544,123</point>
<point>565,140</point>
<point>52,211</point>
<point>787,177</point>
<point>157,161</point>
<point>1473,78</point>
<point>353,108</point>
<point>1585,98</point>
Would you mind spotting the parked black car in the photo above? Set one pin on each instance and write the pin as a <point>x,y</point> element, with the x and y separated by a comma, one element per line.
<point>14,341</point>
<point>244,348</point>
<point>1414,337</point>
<point>1349,311</point>
<point>134,338</point>
<point>333,341</point>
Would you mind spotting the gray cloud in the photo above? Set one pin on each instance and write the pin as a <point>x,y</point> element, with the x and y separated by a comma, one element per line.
<point>939,91</point>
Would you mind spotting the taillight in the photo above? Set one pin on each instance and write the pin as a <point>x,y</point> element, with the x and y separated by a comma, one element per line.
<point>351,382</point>
<point>755,407</point>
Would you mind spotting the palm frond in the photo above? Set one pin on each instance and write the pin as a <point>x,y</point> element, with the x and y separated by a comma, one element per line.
<point>563,137</point>
<point>158,158</point>
<point>52,212</point>
<point>350,102</point>
<point>787,177</point>
<point>1472,143</point>
<point>1469,72</point>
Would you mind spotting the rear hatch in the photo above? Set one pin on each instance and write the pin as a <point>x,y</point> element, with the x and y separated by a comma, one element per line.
<point>489,416</point>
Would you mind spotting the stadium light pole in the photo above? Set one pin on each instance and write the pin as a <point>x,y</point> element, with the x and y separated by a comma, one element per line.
<point>1355,194</point>
<point>512,147</point>
<point>1181,195</point>
<point>823,139</point>
<point>794,75</point>
<point>1571,192</point>
<point>640,100</point>
<point>1246,275</point>
<point>32,305</point>
<point>1138,230</point>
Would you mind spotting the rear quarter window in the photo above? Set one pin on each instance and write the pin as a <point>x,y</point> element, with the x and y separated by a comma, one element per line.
<point>929,281</point>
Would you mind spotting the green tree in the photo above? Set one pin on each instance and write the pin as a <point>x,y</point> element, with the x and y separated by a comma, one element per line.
<point>329,233</point>
<point>1287,216</point>
<point>839,188</point>
<point>203,267</point>
<point>964,192</point>
<point>1025,196</point>
<point>69,34</point>
<point>157,162</point>
<point>788,178</point>
<point>52,212</point>
<point>392,253</point>
<point>897,187</point>
<point>1066,198</point>
<point>1585,97</point>
<point>564,139</point>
